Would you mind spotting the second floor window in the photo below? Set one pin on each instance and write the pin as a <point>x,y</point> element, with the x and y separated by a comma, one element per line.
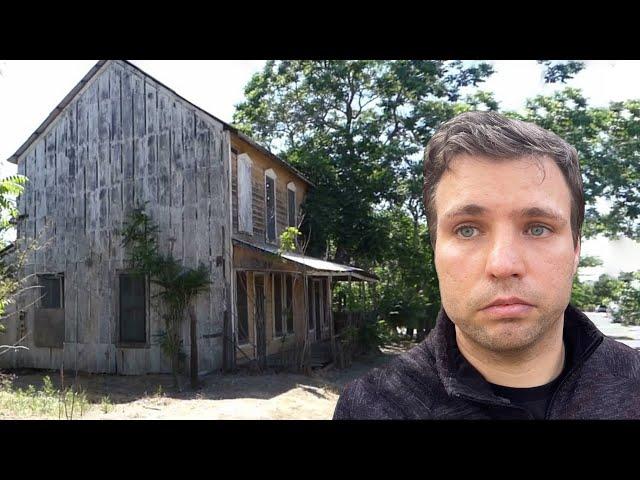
<point>245,194</point>
<point>291,204</point>
<point>270,204</point>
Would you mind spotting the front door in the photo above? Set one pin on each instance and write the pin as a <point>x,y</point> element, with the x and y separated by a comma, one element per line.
<point>261,330</point>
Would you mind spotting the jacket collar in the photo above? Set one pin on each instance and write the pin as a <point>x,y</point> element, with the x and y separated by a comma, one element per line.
<point>459,378</point>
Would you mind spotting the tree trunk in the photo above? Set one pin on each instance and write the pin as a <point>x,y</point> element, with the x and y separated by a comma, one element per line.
<point>194,347</point>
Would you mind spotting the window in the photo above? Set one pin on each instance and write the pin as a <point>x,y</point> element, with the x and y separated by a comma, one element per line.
<point>245,194</point>
<point>288,304</point>
<point>291,203</point>
<point>241,304</point>
<point>277,303</point>
<point>312,322</point>
<point>48,320</point>
<point>283,303</point>
<point>52,291</point>
<point>132,309</point>
<point>270,201</point>
<point>318,303</point>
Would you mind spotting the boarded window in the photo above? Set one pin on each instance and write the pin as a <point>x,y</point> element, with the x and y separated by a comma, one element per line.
<point>292,207</point>
<point>289,303</point>
<point>270,200</point>
<point>277,303</point>
<point>241,303</point>
<point>245,195</point>
<point>132,309</point>
<point>52,291</point>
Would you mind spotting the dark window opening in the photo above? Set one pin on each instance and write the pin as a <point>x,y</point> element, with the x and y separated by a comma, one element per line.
<point>310,303</point>
<point>132,309</point>
<point>318,303</point>
<point>270,195</point>
<point>52,291</point>
<point>241,304</point>
<point>277,303</point>
<point>289,303</point>
<point>292,208</point>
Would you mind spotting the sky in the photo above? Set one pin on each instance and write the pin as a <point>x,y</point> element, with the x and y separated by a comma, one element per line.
<point>30,90</point>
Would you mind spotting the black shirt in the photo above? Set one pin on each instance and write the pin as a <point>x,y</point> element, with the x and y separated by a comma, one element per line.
<point>533,399</point>
<point>603,382</point>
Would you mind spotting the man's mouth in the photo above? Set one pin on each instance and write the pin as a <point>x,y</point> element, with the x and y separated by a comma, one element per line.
<point>508,310</point>
<point>508,307</point>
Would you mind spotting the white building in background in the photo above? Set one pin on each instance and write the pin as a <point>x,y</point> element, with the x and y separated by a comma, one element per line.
<point>617,256</point>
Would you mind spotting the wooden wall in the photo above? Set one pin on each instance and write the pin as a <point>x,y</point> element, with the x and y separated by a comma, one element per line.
<point>123,141</point>
<point>261,163</point>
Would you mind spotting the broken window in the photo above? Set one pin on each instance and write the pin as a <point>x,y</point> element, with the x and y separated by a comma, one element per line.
<point>132,308</point>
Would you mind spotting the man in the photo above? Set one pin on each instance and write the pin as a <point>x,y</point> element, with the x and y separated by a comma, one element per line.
<point>505,208</point>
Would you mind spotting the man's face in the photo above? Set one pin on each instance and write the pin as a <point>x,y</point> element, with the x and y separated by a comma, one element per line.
<point>504,248</point>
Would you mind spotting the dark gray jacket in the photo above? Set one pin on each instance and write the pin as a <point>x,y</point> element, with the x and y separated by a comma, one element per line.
<point>430,381</point>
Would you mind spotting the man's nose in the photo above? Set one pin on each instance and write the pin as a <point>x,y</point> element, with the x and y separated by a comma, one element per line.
<point>505,258</point>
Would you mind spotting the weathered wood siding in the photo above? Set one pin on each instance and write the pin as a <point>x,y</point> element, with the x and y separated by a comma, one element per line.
<point>123,141</point>
<point>253,262</point>
<point>261,163</point>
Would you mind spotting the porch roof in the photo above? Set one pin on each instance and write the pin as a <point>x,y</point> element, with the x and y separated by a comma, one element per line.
<point>315,266</point>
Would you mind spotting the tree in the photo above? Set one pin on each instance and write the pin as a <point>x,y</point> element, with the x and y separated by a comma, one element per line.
<point>560,72</point>
<point>628,312</point>
<point>608,144</point>
<point>582,295</point>
<point>10,284</point>
<point>409,289</point>
<point>179,287</point>
<point>607,289</point>
<point>356,129</point>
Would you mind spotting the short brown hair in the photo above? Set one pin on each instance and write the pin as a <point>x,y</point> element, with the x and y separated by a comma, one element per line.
<point>496,136</point>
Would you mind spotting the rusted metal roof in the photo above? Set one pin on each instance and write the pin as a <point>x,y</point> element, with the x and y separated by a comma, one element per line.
<point>316,265</point>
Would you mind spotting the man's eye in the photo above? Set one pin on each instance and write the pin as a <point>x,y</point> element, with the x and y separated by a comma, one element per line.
<point>538,230</point>
<point>466,231</point>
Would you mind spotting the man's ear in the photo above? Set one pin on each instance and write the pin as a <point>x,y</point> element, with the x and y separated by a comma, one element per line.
<point>576,259</point>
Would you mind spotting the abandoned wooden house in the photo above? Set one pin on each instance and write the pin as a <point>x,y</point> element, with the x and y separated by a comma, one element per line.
<point>120,140</point>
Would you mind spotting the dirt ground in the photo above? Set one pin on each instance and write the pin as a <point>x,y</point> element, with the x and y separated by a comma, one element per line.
<point>232,396</point>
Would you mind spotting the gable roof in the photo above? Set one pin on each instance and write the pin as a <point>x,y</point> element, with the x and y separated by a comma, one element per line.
<point>94,70</point>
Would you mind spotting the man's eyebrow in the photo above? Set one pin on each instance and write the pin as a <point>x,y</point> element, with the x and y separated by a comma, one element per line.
<point>473,209</point>
<point>542,213</point>
<point>470,209</point>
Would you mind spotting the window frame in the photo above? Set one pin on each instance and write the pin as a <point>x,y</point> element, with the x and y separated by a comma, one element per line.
<point>283,302</point>
<point>291,188</point>
<point>270,173</point>
<point>52,276</point>
<point>245,227</point>
<point>132,344</point>
<point>246,295</point>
